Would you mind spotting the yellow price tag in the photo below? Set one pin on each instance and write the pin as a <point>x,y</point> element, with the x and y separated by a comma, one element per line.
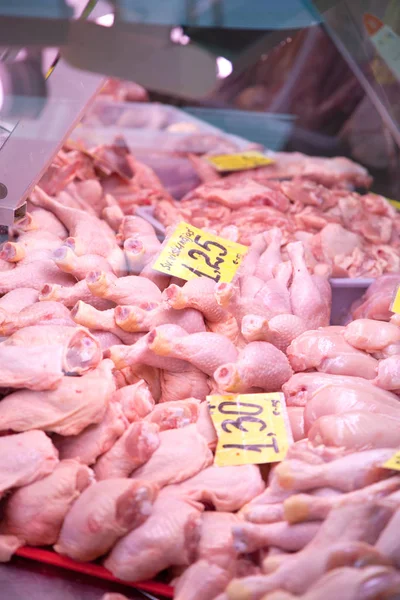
<point>191,252</point>
<point>395,307</point>
<point>251,428</point>
<point>394,203</point>
<point>240,161</point>
<point>393,463</point>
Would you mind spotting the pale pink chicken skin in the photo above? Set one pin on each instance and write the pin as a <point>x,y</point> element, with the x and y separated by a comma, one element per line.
<point>123,290</point>
<point>168,537</point>
<point>9,544</point>
<point>260,365</point>
<point>80,351</point>
<point>135,399</point>
<point>336,400</point>
<point>134,448</point>
<point>24,370</point>
<point>87,233</point>
<point>25,458</point>
<point>307,507</point>
<point>35,512</point>
<point>18,299</point>
<point>138,318</point>
<point>78,266</point>
<point>181,454</point>
<point>346,474</point>
<point>280,331</point>
<point>33,275</point>
<point>31,247</point>
<point>34,314</point>
<point>336,542</point>
<point>225,488</point>
<point>205,350</point>
<point>95,439</point>
<point>215,559</point>
<point>76,403</point>
<point>376,302</point>
<point>44,220</point>
<point>271,257</point>
<point>103,320</point>
<point>296,420</point>
<point>250,537</point>
<point>103,513</point>
<point>175,414</point>
<point>370,335</point>
<point>198,294</point>
<point>388,376</point>
<point>69,296</point>
<point>356,430</point>
<point>308,300</point>
<point>326,350</point>
<point>301,387</point>
<point>349,583</point>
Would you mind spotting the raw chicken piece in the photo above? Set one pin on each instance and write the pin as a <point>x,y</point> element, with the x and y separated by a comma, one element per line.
<point>326,350</point>
<point>271,257</point>
<point>301,387</point>
<point>138,318</point>
<point>134,448</point>
<point>113,596</point>
<point>9,544</point>
<point>31,247</point>
<point>333,240</point>
<point>87,233</point>
<point>123,290</point>
<point>176,414</point>
<point>336,400</point>
<point>34,314</point>
<point>337,542</point>
<point>78,266</point>
<point>25,457</point>
<point>205,350</point>
<point>88,316</point>
<point>112,215</point>
<point>356,430</point>
<point>206,427</point>
<point>225,488</point>
<point>296,420</point>
<point>103,513</point>
<point>76,403</point>
<point>181,454</point>
<point>35,512</point>
<point>376,302</point>
<point>80,351</point>
<point>259,364</point>
<point>168,537</point>
<point>371,336</point>
<point>44,220</point>
<point>18,299</point>
<point>346,474</point>
<point>69,296</point>
<point>307,300</point>
<point>95,439</point>
<point>349,583</point>
<point>388,376</point>
<point>249,537</point>
<point>33,275</point>
<point>257,248</point>
<point>201,580</point>
<point>23,370</point>
<point>274,294</point>
<point>132,224</point>
<point>306,507</point>
<point>215,559</point>
<point>279,331</point>
<point>136,400</point>
<point>198,294</point>
<point>388,542</point>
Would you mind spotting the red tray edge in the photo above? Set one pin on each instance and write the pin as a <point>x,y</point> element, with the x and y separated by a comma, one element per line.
<point>52,558</point>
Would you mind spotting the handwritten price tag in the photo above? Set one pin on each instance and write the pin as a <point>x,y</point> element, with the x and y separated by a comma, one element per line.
<point>190,252</point>
<point>395,307</point>
<point>251,428</point>
<point>239,162</point>
<point>393,463</point>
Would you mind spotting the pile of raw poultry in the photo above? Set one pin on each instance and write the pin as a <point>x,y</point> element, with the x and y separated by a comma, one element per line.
<point>108,446</point>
